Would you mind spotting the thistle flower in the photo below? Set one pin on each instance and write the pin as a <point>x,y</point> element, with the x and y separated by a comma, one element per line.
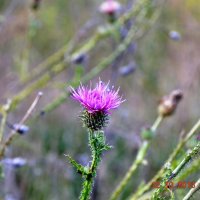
<point>110,7</point>
<point>97,103</point>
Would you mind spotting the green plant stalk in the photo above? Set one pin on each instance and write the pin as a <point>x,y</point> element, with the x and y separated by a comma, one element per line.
<point>140,156</point>
<point>158,193</point>
<point>88,182</point>
<point>13,132</point>
<point>191,169</point>
<point>192,191</point>
<point>3,123</point>
<point>156,123</point>
<point>40,83</point>
<point>87,189</point>
<point>138,161</point>
<point>172,174</point>
<point>47,64</point>
<point>97,146</point>
<point>183,163</point>
<point>182,142</point>
<point>4,111</point>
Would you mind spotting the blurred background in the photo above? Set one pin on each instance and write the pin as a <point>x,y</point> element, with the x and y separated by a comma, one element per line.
<point>164,59</point>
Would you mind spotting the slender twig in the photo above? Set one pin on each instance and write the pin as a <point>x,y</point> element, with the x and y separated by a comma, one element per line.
<point>192,191</point>
<point>13,133</point>
<point>4,113</point>
<point>157,123</point>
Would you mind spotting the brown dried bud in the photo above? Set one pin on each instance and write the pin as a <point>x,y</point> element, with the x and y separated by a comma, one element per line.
<point>168,104</point>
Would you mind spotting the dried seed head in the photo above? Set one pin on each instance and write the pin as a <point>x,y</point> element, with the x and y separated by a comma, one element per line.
<point>168,104</point>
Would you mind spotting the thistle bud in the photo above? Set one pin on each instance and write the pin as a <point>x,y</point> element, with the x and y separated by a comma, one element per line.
<point>168,104</point>
<point>94,121</point>
<point>147,133</point>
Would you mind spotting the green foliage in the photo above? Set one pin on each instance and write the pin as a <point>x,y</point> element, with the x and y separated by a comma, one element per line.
<point>79,168</point>
<point>163,192</point>
<point>98,145</point>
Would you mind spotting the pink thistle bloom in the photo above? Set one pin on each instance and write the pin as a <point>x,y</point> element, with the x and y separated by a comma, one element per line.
<point>109,7</point>
<point>99,99</point>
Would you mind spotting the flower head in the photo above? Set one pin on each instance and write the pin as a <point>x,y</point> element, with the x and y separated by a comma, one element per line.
<point>97,103</point>
<point>109,7</point>
<point>101,98</point>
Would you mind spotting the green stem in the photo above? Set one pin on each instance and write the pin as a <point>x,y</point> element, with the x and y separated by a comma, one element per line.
<point>3,122</point>
<point>158,194</point>
<point>137,162</point>
<point>184,162</point>
<point>191,169</point>
<point>87,189</point>
<point>131,171</point>
<point>97,146</point>
<point>4,111</point>
<point>156,123</point>
<point>192,191</point>
<point>182,142</point>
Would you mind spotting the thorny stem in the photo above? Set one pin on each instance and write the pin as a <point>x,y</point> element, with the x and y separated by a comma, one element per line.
<point>97,146</point>
<point>189,156</point>
<point>137,162</point>
<point>182,142</point>
<point>191,169</point>
<point>172,174</point>
<point>192,191</point>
